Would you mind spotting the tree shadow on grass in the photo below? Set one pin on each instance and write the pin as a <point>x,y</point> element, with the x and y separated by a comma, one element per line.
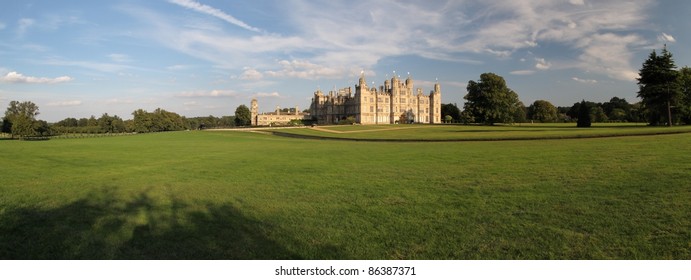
<point>101,226</point>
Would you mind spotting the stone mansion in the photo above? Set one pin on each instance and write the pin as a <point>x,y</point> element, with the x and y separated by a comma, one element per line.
<point>393,102</point>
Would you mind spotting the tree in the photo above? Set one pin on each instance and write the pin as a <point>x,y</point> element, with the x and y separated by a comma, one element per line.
<point>490,101</point>
<point>450,110</point>
<point>542,111</point>
<point>658,86</point>
<point>583,115</point>
<point>685,86</point>
<point>243,116</point>
<point>521,113</point>
<point>20,118</point>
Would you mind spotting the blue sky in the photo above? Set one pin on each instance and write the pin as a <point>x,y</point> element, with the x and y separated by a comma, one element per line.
<point>206,57</point>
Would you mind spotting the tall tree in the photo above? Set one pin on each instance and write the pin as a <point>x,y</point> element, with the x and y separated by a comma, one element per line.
<point>543,111</point>
<point>583,115</point>
<point>20,118</point>
<point>490,101</point>
<point>658,86</point>
<point>685,84</point>
<point>451,110</point>
<point>243,116</point>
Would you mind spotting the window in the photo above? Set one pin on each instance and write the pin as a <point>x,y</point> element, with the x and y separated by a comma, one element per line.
<point>371,109</point>
<point>371,99</point>
<point>378,99</point>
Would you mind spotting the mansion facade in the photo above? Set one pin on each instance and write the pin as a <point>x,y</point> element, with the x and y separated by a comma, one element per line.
<point>391,103</point>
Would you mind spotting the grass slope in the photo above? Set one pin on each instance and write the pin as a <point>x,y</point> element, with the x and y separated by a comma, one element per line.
<point>242,195</point>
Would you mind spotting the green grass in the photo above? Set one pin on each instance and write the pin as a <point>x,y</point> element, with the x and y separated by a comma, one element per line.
<point>475,132</point>
<point>243,195</point>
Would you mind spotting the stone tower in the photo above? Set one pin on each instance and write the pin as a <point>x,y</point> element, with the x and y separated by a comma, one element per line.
<point>435,104</point>
<point>254,112</point>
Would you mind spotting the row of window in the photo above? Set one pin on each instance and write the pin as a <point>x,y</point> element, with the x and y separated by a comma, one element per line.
<point>386,110</point>
<point>401,100</point>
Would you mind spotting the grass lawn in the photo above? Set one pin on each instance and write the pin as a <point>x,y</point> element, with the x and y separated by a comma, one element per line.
<point>524,131</point>
<point>244,195</point>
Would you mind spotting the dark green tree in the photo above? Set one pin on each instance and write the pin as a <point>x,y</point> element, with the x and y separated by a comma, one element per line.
<point>583,115</point>
<point>685,86</point>
<point>20,118</point>
<point>658,87</point>
<point>521,113</point>
<point>617,109</point>
<point>242,116</point>
<point>543,111</point>
<point>451,110</point>
<point>490,101</point>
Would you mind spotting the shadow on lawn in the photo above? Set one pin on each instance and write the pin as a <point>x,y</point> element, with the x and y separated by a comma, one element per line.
<point>102,227</point>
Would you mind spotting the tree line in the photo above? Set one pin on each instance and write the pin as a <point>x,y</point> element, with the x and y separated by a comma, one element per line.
<point>21,121</point>
<point>664,90</point>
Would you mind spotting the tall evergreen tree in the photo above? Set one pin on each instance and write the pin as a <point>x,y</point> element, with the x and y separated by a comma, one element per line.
<point>583,115</point>
<point>658,86</point>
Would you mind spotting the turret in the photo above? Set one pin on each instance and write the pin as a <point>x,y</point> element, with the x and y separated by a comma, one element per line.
<point>254,111</point>
<point>362,82</point>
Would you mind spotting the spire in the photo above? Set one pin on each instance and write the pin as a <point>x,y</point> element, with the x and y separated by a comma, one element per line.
<point>362,81</point>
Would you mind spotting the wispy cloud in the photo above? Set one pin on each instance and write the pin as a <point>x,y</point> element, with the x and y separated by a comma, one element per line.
<point>318,46</point>
<point>114,101</point>
<point>119,58</point>
<point>251,74</point>
<point>18,78</point>
<point>506,26</point>
<point>267,95</point>
<point>666,38</point>
<point>522,72</point>
<point>584,81</point>
<point>93,65</point>
<point>212,93</point>
<point>24,24</point>
<point>542,64</point>
<point>65,103</point>
<point>196,6</point>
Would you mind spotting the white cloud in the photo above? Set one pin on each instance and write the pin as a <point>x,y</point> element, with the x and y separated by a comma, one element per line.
<point>177,67</point>
<point>98,66</point>
<point>119,101</point>
<point>320,47</point>
<point>196,6</point>
<point>251,74</point>
<point>212,93</point>
<point>306,70</point>
<point>666,38</point>
<point>119,58</point>
<point>18,78</point>
<point>584,81</point>
<point>65,103</point>
<point>267,94</point>
<point>522,72</point>
<point>24,24</point>
<point>610,54</point>
<point>542,64</point>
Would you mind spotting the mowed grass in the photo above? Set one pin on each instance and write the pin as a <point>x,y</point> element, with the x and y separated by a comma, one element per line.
<point>244,195</point>
<point>525,131</point>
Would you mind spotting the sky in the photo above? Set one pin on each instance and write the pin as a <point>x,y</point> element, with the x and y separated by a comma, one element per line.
<point>206,57</point>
